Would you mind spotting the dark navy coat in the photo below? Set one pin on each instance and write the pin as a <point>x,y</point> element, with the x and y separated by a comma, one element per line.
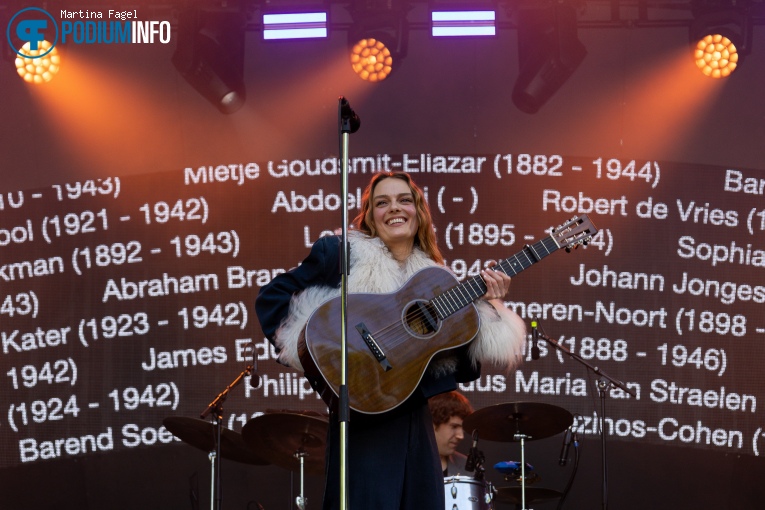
<point>393,461</point>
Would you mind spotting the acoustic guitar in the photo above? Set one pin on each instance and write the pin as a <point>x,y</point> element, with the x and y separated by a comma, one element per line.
<point>392,337</point>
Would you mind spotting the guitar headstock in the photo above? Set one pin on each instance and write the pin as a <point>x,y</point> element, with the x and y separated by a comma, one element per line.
<point>578,230</point>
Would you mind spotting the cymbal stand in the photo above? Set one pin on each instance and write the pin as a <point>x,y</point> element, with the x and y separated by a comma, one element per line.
<point>301,501</point>
<point>522,438</point>
<point>605,384</point>
<point>216,408</point>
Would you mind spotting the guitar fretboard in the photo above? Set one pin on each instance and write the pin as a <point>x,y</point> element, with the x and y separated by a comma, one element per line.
<point>465,293</point>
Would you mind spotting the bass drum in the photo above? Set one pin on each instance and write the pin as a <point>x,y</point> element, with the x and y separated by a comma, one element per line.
<point>466,493</point>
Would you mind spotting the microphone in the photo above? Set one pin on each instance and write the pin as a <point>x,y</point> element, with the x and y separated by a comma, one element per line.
<point>255,380</point>
<point>534,340</point>
<point>252,371</point>
<point>565,446</point>
<point>347,113</point>
<point>473,454</point>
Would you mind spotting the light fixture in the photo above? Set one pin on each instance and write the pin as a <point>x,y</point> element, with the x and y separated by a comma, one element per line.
<point>720,36</point>
<point>549,51</point>
<point>716,56</point>
<point>210,55</point>
<point>371,59</point>
<point>378,38</point>
<point>462,23</point>
<point>34,68</point>
<point>298,25</point>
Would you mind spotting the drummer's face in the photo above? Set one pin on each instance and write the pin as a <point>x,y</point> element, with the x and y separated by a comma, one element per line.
<point>449,435</point>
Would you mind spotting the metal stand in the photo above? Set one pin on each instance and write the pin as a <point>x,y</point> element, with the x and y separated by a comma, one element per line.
<point>605,384</point>
<point>217,406</point>
<point>522,438</point>
<point>348,123</point>
<point>301,501</point>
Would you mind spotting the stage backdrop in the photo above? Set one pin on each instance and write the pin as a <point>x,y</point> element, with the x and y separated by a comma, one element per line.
<point>137,225</point>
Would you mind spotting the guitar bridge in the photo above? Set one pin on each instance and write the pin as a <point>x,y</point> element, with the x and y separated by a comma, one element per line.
<point>373,346</point>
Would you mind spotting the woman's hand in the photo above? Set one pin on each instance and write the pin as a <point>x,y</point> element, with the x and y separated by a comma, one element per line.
<point>497,284</point>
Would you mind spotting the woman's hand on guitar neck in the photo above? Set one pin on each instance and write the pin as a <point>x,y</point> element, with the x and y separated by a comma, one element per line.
<point>497,284</point>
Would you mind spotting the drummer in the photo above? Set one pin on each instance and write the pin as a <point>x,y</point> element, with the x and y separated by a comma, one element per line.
<point>448,411</point>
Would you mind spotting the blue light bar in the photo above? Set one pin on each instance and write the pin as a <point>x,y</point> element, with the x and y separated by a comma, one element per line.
<point>303,25</point>
<point>463,23</point>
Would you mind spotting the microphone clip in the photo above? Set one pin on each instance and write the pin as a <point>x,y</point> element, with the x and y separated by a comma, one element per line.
<point>475,459</point>
<point>534,339</point>
<point>349,121</point>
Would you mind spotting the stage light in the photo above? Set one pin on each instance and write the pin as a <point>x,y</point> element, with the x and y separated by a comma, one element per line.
<point>36,69</point>
<point>210,56</point>
<point>378,38</point>
<point>303,25</point>
<point>371,59</point>
<point>549,51</point>
<point>720,35</point>
<point>463,23</point>
<point>716,56</point>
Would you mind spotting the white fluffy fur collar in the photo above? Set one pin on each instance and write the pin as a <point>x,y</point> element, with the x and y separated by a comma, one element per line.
<point>373,269</point>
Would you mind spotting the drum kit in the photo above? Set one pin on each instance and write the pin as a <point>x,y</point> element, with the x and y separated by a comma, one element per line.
<point>296,441</point>
<point>289,439</point>
<point>518,422</point>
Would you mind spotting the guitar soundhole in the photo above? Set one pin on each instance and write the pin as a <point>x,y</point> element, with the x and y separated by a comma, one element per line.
<point>421,319</point>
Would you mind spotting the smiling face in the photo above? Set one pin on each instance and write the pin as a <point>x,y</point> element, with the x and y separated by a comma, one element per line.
<point>395,216</point>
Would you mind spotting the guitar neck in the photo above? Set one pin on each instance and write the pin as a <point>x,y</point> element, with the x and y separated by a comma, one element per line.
<point>469,291</point>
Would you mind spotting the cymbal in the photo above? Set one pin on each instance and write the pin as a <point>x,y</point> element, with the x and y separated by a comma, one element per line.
<point>503,422</point>
<point>282,437</point>
<point>201,433</point>
<point>512,495</point>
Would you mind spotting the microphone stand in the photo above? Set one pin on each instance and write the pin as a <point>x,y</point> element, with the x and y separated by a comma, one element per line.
<point>216,407</point>
<point>348,123</point>
<point>605,384</point>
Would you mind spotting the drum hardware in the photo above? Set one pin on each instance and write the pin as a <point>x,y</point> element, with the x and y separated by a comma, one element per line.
<point>516,420</point>
<point>517,496</point>
<point>292,440</point>
<point>519,422</point>
<point>198,434</point>
<point>201,434</point>
<point>512,471</point>
<point>467,493</point>
<point>475,459</point>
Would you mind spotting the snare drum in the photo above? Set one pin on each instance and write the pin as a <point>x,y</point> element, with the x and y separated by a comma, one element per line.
<point>466,493</point>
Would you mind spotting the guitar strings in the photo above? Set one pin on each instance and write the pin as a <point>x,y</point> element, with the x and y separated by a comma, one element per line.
<point>396,333</point>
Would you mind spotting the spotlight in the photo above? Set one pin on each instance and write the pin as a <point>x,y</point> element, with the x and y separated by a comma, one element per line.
<point>210,56</point>
<point>716,56</point>
<point>721,35</point>
<point>549,51</point>
<point>36,69</point>
<point>378,39</point>
<point>371,59</point>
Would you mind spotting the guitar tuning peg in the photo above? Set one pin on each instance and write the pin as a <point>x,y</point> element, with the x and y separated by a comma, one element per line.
<point>568,249</point>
